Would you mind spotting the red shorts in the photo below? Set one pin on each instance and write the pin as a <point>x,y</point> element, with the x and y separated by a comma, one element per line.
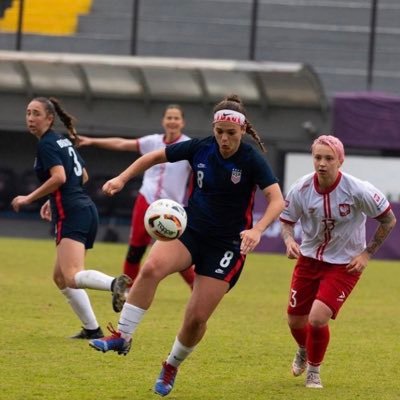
<point>138,235</point>
<point>313,279</point>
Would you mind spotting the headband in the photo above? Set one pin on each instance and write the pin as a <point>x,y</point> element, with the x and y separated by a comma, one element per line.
<point>235,117</point>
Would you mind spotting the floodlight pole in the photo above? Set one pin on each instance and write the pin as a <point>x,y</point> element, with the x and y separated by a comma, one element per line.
<point>371,47</point>
<point>135,18</point>
<point>20,23</point>
<point>253,31</point>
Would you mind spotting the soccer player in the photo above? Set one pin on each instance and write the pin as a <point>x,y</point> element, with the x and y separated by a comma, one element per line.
<point>332,207</point>
<point>160,181</point>
<point>61,172</point>
<point>219,233</point>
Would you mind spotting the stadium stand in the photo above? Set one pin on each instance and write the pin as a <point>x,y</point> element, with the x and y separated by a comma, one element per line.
<point>331,35</point>
<point>45,17</point>
<point>4,4</point>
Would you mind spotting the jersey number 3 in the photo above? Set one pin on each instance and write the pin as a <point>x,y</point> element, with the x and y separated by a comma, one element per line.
<point>78,166</point>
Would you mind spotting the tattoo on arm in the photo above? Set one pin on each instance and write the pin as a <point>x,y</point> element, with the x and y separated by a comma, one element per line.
<point>287,231</point>
<point>386,224</point>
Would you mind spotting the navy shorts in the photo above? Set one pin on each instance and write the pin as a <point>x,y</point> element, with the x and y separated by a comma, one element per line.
<point>79,224</point>
<point>216,259</point>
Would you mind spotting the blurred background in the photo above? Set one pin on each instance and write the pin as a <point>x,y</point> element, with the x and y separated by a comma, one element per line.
<point>302,67</point>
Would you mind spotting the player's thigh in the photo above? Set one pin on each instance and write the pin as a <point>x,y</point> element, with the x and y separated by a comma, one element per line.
<point>138,235</point>
<point>168,257</point>
<point>336,287</point>
<point>304,286</point>
<point>70,257</point>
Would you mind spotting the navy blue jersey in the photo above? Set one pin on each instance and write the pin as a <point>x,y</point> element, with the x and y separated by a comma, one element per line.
<point>222,198</point>
<point>55,149</point>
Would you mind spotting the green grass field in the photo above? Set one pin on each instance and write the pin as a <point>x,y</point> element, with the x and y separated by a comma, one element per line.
<point>246,353</point>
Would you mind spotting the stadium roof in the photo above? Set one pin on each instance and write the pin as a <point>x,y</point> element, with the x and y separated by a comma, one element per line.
<point>157,79</point>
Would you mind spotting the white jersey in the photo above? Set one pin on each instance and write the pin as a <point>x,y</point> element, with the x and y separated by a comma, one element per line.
<point>167,180</point>
<point>333,222</point>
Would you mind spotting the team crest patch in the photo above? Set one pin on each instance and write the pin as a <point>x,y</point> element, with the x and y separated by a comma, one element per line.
<point>236,175</point>
<point>344,209</point>
<point>377,198</point>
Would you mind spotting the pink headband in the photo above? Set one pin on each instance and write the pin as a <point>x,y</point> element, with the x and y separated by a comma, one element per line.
<point>235,117</point>
<point>333,142</point>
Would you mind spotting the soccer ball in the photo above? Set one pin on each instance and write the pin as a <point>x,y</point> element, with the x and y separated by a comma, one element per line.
<point>165,220</point>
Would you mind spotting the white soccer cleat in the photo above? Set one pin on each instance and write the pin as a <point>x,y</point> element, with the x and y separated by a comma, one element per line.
<point>299,363</point>
<point>313,380</point>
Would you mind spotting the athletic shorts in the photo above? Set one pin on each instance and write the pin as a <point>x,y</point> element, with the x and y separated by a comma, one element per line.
<point>313,279</point>
<point>138,236</point>
<point>213,258</point>
<point>79,224</point>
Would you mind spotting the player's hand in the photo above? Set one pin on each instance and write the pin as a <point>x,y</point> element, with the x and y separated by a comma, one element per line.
<point>19,202</point>
<point>358,263</point>
<point>45,211</point>
<point>82,141</point>
<point>293,250</point>
<point>250,239</point>
<point>113,186</point>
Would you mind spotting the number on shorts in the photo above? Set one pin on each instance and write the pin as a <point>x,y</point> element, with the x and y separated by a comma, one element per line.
<point>293,300</point>
<point>200,177</point>
<point>226,259</point>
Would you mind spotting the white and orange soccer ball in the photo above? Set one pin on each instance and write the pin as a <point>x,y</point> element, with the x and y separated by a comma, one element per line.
<point>165,220</point>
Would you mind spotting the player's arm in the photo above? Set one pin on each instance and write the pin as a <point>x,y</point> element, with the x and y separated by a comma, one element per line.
<point>287,233</point>
<point>109,143</point>
<point>85,176</point>
<point>386,223</point>
<point>57,178</point>
<point>251,237</point>
<point>139,166</point>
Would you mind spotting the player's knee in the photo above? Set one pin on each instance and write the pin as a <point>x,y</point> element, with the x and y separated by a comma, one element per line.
<point>135,254</point>
<point>151,270</point>
<point>59,281</point>
<point>196,321</point>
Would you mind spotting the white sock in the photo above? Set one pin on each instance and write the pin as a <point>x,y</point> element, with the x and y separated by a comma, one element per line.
<point>129,320</point>
<point>92,279</point>
<point>80,303</point>
<point>178,353</point>
<point>313,368</point>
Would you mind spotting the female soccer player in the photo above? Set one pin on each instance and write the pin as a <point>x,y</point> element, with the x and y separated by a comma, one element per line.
<point>332,207</point>
<point>160,181</point>
<point>62,173</point>
<point>226,173</point>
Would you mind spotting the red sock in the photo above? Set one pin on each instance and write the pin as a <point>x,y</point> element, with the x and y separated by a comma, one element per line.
<point>300,335</point>
<point>131,269</point>
<point>188,276</point>
<point>317,343</point>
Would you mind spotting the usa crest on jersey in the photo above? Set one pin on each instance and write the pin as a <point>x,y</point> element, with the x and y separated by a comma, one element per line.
<point>236,175</point>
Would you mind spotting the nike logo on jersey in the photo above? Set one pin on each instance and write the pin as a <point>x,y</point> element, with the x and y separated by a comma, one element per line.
<point>219,271</point>
<point>201,165</point>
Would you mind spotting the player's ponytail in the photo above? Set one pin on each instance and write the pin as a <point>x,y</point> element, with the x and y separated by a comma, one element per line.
<point>66,119</point>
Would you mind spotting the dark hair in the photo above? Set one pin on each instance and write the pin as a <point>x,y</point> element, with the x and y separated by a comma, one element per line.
<point>175,106</point>
<point>233,102</point>
<point>53,107</point>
